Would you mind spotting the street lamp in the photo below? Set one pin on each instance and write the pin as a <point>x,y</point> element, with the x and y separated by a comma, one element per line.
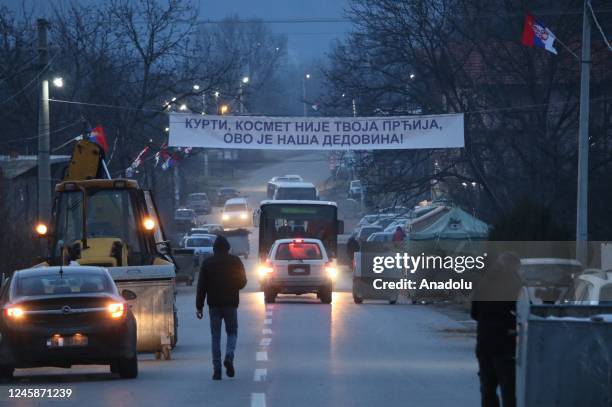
<point>183,107</point>
<point>196,87</point>
<point>245,81</point>
<point>412,76</point>
<point>306,77</point>
<point>58,82</point>
<point>224,109</point>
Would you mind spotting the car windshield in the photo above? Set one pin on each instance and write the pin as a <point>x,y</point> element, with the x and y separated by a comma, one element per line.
<point>199,242</point>
<point>298,251</point>
<point>67,283</point>
<point>227,191</point>
<point>235,207</point>
<point>184,214</point>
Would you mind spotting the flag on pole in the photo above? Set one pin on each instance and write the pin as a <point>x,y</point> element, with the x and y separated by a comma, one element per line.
<point>137,162</point>
<point>537,34</point>
<point>97,136</point>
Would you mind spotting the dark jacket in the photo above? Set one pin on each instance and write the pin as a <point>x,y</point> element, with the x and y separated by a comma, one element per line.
<point>496,314</point>
<point>221,278</point>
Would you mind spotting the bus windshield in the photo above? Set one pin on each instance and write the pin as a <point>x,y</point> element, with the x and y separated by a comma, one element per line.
<point>306,193</point>
<point>281,221</point>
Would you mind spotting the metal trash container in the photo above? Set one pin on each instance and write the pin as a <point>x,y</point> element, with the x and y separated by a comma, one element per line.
<point>186,265</point>
<point>154,307</point>
<point>239,242</point>
<point>563,355</point>
<point>363,281</point>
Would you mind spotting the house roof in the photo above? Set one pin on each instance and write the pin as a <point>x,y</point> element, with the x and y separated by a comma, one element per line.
<point>13,167</point>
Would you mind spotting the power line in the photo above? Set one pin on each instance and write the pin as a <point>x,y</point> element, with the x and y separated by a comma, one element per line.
<point>603,35</point>
<point>29,83</point>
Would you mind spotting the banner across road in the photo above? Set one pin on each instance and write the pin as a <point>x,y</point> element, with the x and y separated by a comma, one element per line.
<point>316,133</point>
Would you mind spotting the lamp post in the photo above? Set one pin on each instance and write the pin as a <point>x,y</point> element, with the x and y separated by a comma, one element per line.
<point>245,80</point>
<point>304,79</point>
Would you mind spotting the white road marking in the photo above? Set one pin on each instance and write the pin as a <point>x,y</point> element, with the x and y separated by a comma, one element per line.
<point>268,321</point>
<point>258,400</point>
<point>265,342</point>
<point>266,331</point>
<point>261,356</point>
<point>260,375</point>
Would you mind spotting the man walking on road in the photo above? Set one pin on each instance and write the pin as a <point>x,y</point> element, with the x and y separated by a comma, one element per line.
<point>221,278</point>
<point>494,309</point>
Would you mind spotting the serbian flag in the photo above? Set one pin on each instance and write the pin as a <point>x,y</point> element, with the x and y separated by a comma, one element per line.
<point>536,34</point>
<point>97,136</point>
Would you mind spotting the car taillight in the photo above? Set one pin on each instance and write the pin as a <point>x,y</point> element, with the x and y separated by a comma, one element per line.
<point>116,309</point>
<point>14,312</point>
<point>265,269</point>
<point>331,270</point>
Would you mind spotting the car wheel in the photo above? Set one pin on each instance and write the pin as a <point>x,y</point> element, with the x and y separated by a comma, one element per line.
<point>358,300</point>
<point>6,373</point>
<point>269,297</point>
<point>325,294</point>
<point>114,367</point>
<point>128,367</point>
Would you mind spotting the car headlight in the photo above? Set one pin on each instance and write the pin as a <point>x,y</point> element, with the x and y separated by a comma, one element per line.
<point>243,215</point>
<point>116,309</point>
<point>14,312</point>
<point>225,216</point>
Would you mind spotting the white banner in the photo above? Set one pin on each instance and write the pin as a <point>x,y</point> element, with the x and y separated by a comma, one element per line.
<point>316,133</point>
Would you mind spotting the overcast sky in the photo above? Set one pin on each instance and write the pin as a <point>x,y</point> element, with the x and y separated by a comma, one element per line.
<point>306,40</point>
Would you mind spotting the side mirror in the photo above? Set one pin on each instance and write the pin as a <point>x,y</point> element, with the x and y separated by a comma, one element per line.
<point>340,227</point>
<point>128,295</point>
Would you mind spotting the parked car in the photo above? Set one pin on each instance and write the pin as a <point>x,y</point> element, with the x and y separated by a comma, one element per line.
<point>225,193</point>
<point>236,214</point>
<point>365,231</point>
<point>372,218</point>
<point>355,189</point>
<point>298,266</point>
<point>591,287</point>
<point>380,237</point>
<point>65,316</point>
<point>548,279</point>
<point>199,203</point>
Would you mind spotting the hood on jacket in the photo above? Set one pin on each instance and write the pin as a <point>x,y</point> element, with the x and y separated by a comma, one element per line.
<point>221,245</point>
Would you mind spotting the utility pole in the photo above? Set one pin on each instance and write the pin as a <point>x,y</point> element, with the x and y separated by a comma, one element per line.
<point>44,165</point>
<point>583,142</point>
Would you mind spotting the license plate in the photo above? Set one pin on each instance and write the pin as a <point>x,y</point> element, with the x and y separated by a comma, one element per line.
<point>298,270</point>
<point>58,341</point>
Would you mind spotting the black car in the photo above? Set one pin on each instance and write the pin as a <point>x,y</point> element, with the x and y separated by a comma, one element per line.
<point>65,316</point>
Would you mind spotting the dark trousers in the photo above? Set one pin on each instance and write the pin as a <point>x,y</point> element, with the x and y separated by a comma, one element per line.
<point>497,370</point>
<point>230,316</point>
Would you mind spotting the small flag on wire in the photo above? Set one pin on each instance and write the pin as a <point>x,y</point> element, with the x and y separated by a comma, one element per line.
<point>98,136</point>
<point>537,34</point>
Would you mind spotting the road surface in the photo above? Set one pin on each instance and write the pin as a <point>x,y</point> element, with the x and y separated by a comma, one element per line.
<point>296,352</point>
